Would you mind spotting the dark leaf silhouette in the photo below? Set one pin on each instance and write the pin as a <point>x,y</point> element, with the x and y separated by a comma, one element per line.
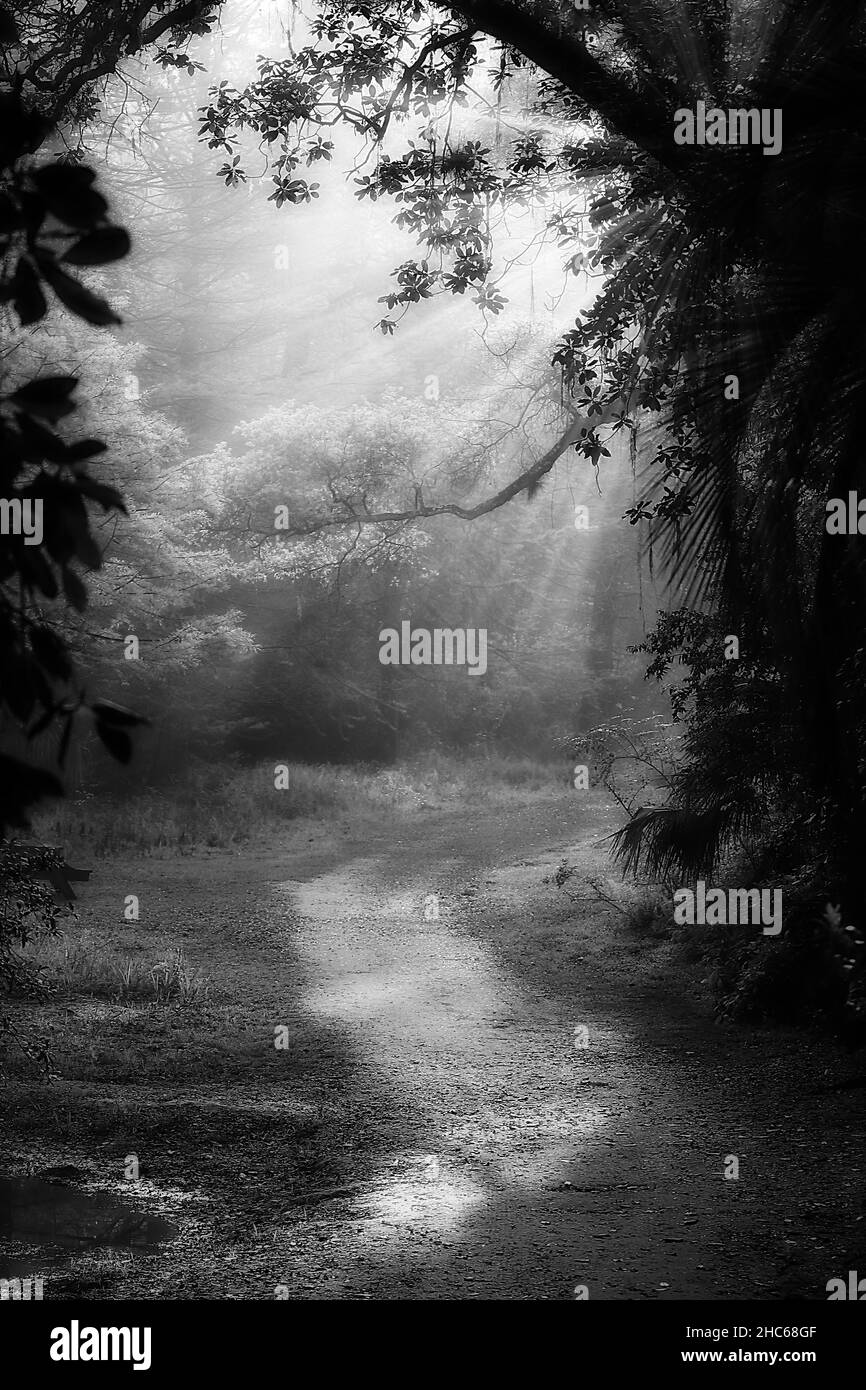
<point>77,298</point>
<point>98,247</point>
<point>115,739</point>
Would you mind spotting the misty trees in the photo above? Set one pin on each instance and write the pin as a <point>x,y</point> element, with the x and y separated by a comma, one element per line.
<point>715,343</point>
<point>731,314</point>
<point>316,603</point>
<point>55,231</point>
<point>56,53</point>
<point>52,222</point>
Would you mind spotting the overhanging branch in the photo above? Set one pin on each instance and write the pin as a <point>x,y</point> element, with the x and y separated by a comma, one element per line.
<point>421,511</point>
<point>550,34</point>
<point>107,46</point>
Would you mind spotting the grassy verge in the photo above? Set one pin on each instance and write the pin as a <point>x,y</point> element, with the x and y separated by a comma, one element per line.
<point>211,808</point>
<point>161,1039</point>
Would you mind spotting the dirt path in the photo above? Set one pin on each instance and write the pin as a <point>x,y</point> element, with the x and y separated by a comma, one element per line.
<point>534,1166</point>
<point>436,1129</point>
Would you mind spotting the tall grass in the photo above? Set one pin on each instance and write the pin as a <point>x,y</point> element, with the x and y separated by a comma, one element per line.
<point>211,807</point>
<point>83,965</point>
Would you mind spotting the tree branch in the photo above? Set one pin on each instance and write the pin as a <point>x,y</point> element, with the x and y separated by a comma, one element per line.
<point>523,483</point>
<point>127,38</point>
<point>404,86</point>
<point>549,34</point>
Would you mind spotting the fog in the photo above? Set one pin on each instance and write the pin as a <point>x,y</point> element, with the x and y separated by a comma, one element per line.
<point>249,375</point>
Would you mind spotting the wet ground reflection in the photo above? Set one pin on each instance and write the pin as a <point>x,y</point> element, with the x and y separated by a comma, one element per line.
<point>61,1220</point>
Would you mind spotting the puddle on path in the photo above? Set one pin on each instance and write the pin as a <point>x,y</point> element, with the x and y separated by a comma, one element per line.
<point>62,1221</point>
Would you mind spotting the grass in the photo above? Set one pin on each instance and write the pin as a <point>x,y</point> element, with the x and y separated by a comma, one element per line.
<point>83,965</point>
<point>218,808</point>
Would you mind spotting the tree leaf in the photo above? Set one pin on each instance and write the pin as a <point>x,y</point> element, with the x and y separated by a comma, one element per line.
<point>20,786</point>
<point>48,396</point>
<point>117,741</point>
<point>26,292</point>
<point>107,496</point>
<point>51,651</point>
<point>46,388</point>
<point>87,550</point>
<point>98,247</point>
<point>10,215</point>
<point>36,571</point>
<point>78,299</point>
<point>75,590</point>
<point>85,449</point>
<point>16,688</point>
<point>66,191</point>
<point>110,713</point>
